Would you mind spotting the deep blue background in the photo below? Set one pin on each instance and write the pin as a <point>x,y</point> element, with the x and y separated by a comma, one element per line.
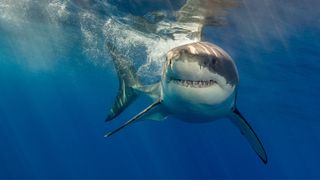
<point>52,114</point>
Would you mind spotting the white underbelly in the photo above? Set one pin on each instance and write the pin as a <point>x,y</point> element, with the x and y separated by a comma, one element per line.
<point>198,104</point>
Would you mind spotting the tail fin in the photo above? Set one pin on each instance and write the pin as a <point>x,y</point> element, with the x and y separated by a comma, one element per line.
<point>127,81</point>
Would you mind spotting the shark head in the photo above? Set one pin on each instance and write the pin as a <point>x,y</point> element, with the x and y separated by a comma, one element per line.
<point>200,74</point>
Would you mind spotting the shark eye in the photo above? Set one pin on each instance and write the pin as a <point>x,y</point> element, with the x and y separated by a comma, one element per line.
<point>213,60</point>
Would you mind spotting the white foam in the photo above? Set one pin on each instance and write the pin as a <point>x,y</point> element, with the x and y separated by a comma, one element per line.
<point>128,40</point>
<point>147,49</point>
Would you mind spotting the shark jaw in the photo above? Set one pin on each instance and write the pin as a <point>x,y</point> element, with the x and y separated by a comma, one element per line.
<point>194,84</point>
<point>197,93</point>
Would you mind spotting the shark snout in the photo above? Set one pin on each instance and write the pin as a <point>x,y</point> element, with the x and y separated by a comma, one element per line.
<point>188,70</point>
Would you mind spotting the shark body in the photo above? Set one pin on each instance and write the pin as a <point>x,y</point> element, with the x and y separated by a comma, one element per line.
<point>198,84</point>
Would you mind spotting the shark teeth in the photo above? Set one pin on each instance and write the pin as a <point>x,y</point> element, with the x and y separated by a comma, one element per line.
<point>194,84</point>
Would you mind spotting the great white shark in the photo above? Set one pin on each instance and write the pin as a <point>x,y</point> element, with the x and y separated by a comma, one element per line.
<point>198,84</point>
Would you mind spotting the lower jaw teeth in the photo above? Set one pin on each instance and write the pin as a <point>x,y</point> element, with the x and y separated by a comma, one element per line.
<point>197,84</point>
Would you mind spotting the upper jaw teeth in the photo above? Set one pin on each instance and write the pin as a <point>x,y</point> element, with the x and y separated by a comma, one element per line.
<point>197,84</point>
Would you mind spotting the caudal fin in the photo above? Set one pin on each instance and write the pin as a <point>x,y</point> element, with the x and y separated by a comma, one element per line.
<point>249,134</point>
<point>127,81</point>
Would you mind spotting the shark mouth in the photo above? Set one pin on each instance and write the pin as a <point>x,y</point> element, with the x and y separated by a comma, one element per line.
<point>194,84</point>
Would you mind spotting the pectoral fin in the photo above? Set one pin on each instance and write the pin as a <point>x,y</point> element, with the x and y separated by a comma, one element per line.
<point>145,113</point>
<point>250,135</point>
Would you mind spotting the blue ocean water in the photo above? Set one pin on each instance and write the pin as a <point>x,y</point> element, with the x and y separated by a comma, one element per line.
<point>57,84</point>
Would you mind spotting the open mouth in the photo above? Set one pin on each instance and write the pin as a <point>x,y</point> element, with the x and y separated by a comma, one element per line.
<point>194,84</point>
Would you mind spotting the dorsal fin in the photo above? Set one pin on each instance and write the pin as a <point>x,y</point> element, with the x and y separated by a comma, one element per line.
<point>128,80</point>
